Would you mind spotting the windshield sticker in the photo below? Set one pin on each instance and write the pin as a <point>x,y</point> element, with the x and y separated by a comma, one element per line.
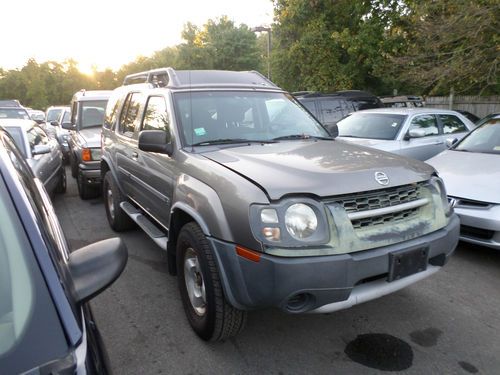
<point>200,131</point>
<point>394,124</point>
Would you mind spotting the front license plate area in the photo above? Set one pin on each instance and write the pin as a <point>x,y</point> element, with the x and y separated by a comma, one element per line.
<point>407,262</point>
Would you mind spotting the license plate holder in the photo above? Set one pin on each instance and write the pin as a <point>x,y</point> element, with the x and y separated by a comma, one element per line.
<point>407,262</point>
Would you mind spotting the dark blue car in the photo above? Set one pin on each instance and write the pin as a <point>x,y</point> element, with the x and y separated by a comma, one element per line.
<point>46,326</point>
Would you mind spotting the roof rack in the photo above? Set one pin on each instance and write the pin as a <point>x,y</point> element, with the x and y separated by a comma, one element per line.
<point>157,77</point>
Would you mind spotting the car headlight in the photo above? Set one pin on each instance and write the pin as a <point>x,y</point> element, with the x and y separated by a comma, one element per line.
<point>291,223</point>
<point>438,183</point>
<point>300,221</point>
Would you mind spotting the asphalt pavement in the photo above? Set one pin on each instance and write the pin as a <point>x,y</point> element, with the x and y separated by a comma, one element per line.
<point>446,324</point>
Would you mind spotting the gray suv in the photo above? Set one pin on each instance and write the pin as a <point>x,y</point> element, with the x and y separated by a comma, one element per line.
<point>84,141</point>
<point>257,206</point>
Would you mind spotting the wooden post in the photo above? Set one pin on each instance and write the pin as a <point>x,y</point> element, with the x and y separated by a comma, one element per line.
<point>452,94</point>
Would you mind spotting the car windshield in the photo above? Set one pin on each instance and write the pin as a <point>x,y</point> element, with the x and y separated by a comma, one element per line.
<point>371,125</point>
<point>236,117</point>
<point>485,139</point>
<point>14,113</point>
<point>93,113</point>
<point>53,114</point>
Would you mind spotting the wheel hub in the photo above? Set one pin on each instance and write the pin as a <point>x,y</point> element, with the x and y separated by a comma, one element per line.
<point>195,284</point>
<point>111,206</point>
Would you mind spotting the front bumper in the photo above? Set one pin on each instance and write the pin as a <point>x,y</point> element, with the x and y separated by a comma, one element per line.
<point>90,172</point>
<point>324,283</point>
<point>480,226</point>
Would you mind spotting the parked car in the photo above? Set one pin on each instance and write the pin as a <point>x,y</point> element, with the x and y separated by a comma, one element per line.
<point>37,116</point>
<point>403,101</point>
<point>471,172</point>
<point>46,325</point>
<point>418,133</point>
<point>53,113</point>
<point>487,118</point>
<point>42,154</point>
<point>61,134</point>
<point>331,108</point>
<point>87,114</point>
<point>13,109</point>
<point>257,206</point>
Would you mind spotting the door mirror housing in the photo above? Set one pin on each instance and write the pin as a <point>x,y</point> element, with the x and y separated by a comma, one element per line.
<point>95,267</point>
<point>450,142</point>
<point>155,141</point>
<point>40,149</point>
<point>68,126</point>
<point>333,130</point>
<point>54,123</point>
<point>415,133</point>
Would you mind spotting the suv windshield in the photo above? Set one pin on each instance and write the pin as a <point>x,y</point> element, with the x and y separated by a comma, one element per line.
<point>93,113</point>
<point>225,116</point>
<point>371,125</point>
<point>485,139</point>
<point>14,113</point>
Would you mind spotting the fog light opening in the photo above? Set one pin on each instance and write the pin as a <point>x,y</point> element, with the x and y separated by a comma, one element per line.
<point>299,302</point>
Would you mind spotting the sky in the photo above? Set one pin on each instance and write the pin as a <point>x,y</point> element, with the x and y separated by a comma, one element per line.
<point>109,33</point>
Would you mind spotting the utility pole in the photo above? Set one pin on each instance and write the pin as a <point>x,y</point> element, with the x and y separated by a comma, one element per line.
<point>260,29</point>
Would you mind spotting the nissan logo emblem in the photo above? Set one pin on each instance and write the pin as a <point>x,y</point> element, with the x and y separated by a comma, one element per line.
<point>381,178</point>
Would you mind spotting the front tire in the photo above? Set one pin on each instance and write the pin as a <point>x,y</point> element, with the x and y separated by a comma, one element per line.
<point>118,220</point>
<point>61,185</point>
<point>73,164</point>
<point>208,312</point>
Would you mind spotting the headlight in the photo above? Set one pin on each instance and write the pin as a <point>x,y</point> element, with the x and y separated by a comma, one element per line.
<point>300,221</point>
<point>439,185</point>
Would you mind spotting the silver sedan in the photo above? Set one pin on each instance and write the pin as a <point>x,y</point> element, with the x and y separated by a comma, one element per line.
<point>471,172</point>
<point>42,153</point>
<point>418,133</point>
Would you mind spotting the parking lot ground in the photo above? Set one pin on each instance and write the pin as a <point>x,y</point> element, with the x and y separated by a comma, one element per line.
<point>446,324</point>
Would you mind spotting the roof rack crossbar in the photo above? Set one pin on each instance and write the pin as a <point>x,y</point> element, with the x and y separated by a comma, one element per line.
<point>157,77</point>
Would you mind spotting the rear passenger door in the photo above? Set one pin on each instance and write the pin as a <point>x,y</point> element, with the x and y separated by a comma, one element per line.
<point>157,171</point>
<point>427,145</point>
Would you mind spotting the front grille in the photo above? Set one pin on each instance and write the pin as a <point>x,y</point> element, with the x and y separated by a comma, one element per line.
<point>382,198</point>
<point>384,219</point>
<point>379,198</point>
<point>483,234</point>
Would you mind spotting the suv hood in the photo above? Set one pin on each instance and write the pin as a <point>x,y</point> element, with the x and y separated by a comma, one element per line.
<point>321,168</point>
<point>91,137</point>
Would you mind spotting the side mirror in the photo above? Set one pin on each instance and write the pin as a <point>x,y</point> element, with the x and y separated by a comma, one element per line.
<point>68,126</point>
<point>39,121</point>
<point>40,149</point>
<point>333,130</point>
<point>450,142</point>
<point>54,123</point>
<point>95,267</point>
<point>415,133</point>
<point>155,141</point>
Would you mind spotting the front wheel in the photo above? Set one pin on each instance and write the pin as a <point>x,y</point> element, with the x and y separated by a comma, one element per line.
<point>61,185</point>
<point>208,312</point>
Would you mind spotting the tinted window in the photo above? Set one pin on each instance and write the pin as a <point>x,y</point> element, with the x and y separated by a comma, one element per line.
<point>92,113</point>
<point>205,117</point>
<point>111,110</point>
<point>452,124</point>
<point>332,110</point>
<point>155,114</point>
<point>366,103</point>
<point>130,114</point>
<point>371,125</point>
<point>427,123</point>
<point>310,106</point>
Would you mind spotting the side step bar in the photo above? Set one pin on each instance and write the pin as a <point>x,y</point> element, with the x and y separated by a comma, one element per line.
<point>146,225</point>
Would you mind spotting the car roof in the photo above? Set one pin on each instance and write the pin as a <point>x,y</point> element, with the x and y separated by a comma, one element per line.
<point>409,111</point>
<point>15,122</point>
<point>84,95</point>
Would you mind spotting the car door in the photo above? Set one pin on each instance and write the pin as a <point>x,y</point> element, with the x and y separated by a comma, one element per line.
<point>46,165</point>
<point>453,127</point>
<point>126,149</point>
<point>157,171</point>
<point>427,143</point>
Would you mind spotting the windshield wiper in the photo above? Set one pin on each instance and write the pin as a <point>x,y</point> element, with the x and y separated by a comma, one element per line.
<point>301,136</point>
<point>223,141</point>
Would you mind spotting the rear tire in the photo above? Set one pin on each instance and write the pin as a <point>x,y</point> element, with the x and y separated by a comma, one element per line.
<point>73,165</point>
<point>118,220</point>
<point>208,312</point>
<point>61,185</point>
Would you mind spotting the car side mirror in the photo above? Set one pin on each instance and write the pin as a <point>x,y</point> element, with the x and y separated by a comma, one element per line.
<point>155,141</point>
<point>68,126</point>
<point>39,121</point>
<point>40,149</point>
<point>333,130</point>
<point>450,142</point>
<point>95,267</point>
<point>415,133</point>
<point>54,123</point>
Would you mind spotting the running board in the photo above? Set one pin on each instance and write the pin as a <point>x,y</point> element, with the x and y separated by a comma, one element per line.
<point>146,225</point>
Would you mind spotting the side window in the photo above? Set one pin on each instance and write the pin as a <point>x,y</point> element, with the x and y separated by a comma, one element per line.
<point>130,114</point>
<point>309,104</point>
<point>452,124</point>
<point>36,136</point>
<point>427,123</point>
<point>155,114</point>
<point>331,110</point>
<point>74,113</point>
<point>111,111</point>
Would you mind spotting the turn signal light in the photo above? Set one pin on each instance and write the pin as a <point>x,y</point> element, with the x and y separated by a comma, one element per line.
<point>86,154</point>
<point>248,254</point>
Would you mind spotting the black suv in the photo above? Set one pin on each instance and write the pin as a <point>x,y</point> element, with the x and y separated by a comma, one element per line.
<point>333,107</point>
<point>46,326</point>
